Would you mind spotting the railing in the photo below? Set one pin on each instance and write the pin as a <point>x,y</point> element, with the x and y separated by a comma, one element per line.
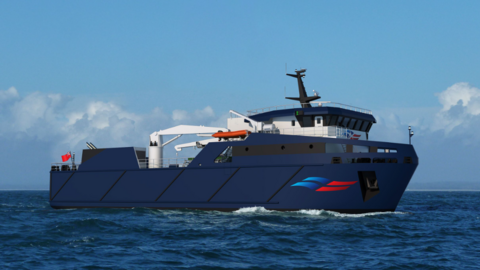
<point>313,104</point>
<point>336,132</point>
<point>64,166</point>
<point>164,163</point>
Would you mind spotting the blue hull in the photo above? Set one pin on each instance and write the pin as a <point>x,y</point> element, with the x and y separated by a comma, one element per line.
<point>260,177</point>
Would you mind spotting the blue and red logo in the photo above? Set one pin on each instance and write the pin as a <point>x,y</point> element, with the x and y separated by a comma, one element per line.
<point>323,184</point>
<point>351,135</point>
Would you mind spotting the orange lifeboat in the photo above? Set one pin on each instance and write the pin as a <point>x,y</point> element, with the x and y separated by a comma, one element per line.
<point>231,134</point>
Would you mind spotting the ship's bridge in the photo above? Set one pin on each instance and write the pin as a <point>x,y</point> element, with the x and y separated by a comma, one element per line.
<point>324,119</point>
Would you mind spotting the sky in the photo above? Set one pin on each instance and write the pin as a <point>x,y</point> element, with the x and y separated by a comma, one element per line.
<point>112,72</point>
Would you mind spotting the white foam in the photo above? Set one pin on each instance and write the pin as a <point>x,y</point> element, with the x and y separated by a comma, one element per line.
<point>255,209</point>
<point>314,212</point>
<point>311,212</point>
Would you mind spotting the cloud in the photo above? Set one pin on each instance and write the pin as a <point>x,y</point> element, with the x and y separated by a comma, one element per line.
<point>193,118</point>
<point>41,127</point>
<point>460,115</point>
<point>8,95</point>
<point>463,93</point>
<point>457,118</point>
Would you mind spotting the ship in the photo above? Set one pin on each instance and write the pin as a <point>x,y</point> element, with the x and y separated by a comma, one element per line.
<point>309,155</point>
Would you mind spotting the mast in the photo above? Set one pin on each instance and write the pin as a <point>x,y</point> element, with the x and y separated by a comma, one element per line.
<point>303,98</point>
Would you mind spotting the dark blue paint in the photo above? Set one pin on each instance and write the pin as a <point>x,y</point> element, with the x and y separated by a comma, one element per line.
<point>313,111</point>
<point>87,186</point>
<point>112,159</point>
<point>195,185</point>
<point>254,184</point>
<point>141,185</point>
<point>58,181</point>
<point>258,178</point>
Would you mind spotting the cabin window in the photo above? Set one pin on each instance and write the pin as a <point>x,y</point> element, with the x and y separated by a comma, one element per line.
<point>333,120</point>
<point>364,126</point>
<point>307,121</point>
<point>335,148</point>
<point>387,150</point>
<point>225,156</point>
<point>339,121</point>
<point>345,122</point>
<point>319,120</point>
<point>352,123</point>
<point>327,120</point>
<point>360,149</point>
<point>293,123</point>
<point>358,125</point>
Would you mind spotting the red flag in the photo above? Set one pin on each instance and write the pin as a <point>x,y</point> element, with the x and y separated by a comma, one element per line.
<point>66,157</point>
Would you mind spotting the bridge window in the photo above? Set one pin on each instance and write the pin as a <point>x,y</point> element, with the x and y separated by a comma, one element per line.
<point>333,120</point>
<point>358,124</point>
<point>344,122</point>
<point>327,120</point>
<point>365,126</point>
<point>339,121</point>
<point>352,123</point>
<point>307,121</point>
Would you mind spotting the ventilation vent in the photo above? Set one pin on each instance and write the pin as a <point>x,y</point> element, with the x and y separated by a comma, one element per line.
<point>407,160</point>
<point>336,160</point>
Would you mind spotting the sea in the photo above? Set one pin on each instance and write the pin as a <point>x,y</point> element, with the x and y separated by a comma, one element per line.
<point>429,230</point>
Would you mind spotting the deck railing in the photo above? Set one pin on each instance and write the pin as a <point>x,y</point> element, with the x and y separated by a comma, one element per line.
<point>337,132</point>
<point>164,163</point>
<point>64,166</point>
<point>313,104</point>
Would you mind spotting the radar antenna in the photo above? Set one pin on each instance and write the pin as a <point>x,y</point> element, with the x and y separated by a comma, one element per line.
<point>303,98</point>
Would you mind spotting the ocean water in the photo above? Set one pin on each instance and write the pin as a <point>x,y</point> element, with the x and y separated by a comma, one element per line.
<point>429,230</point>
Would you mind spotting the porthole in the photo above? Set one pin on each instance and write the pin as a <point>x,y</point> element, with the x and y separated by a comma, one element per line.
<point>283,147</point>
<point>246,149</point>
<point>311,146</point>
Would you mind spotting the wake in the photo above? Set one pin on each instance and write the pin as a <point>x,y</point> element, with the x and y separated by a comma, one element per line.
<point>311,212</point>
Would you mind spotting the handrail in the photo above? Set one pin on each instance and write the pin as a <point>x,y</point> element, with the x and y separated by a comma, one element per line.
<point>330,131</point>
<point>164,163</point>
<point>313,104</point>
<point>64,166</point>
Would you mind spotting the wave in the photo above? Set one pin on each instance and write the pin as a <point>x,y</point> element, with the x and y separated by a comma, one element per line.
<point>311,212</point>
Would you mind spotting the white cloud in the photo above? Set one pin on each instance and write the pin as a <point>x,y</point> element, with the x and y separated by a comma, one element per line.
<point>179,115</point>
<point>49,118</point>
<point>458,117</point>
<point>461,109</point>
<point>469,95</point>
<point>8,95</point>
